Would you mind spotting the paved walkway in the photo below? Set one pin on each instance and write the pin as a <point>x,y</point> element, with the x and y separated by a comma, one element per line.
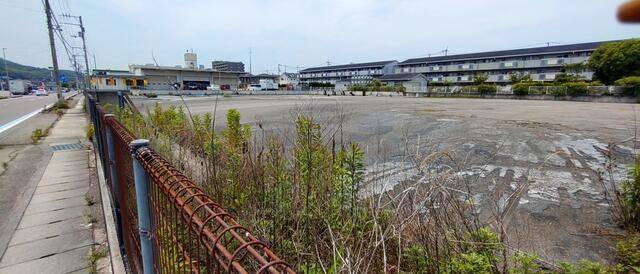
<point>53,235</point>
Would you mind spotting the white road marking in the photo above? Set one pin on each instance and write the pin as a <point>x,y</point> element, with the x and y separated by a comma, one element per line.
<point>16,122</point>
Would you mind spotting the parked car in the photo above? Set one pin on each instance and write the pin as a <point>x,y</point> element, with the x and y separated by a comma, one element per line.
<point>254,87</point>
<point>213,87</point>
<point>42,92</point>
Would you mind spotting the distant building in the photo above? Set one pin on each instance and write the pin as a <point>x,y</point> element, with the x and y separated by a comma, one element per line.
<point>412,82</point>
<point>288,79</point>
<point>151,77</point>
<point>360,73</point>
<point>190,60</point>
<point>542,63</point>
<point>104,79</point>
<point>249,79</point>
<point>227,66</point>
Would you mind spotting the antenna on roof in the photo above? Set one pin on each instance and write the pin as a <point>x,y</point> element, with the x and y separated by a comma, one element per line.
<point>328,63</point>
<point>154,59</point>
<point>446,51</point>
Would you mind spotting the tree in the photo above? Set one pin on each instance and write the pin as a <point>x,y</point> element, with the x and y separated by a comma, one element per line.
<point>568,78</point>
<point>480,79</point>
<point>519,78</point>
<point>612,61</point>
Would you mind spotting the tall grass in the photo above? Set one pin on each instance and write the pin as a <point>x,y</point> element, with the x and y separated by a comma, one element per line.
<point>301,194</point>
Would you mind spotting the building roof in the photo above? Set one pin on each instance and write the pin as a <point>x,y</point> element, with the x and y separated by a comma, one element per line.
<point>264,75</point>
<point>177,68</point>
<point>399,76</point>
<point>111,72</point>
<point>290,74</point>
<point>349,66</point>
<point>507,53</point>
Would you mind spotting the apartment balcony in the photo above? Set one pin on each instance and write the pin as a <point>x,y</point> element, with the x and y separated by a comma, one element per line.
<point>499,65</point>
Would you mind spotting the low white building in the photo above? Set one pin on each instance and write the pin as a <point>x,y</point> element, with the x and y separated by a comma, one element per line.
<point>412,82</point>
<point>289,79</point>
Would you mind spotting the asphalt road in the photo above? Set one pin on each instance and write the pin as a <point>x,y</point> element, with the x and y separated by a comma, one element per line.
<point>14,108</point>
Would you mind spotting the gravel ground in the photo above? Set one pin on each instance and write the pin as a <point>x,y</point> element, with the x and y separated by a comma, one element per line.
<point>535,162</point>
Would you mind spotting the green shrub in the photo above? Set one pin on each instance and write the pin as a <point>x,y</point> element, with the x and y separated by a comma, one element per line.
<point>469,263</point>
<point>630,84</point>
<point>628,255</point>
<point>524,264</point>
<point>576,88</point>
<point>487,89</point>
<point>630,200</point>
<point>61,105</point>
<point>321,85</point>
<point>521,88</point>
<point>557,91</point>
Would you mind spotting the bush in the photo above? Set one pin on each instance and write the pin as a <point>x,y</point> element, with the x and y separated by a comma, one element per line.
<point>628,255</point>
<point>320,85</point>
<point>630,198</point>
<point>61,105</point>
<point>521,88</point>
<point>487,89</point>
<point>630,84</point>
<point>150,95</point>
<point>576,88</point>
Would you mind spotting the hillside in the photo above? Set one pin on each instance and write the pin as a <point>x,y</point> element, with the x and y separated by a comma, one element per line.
<point>18,71</point>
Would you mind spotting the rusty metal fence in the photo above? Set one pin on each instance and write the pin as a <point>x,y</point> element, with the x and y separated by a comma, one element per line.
<point>187,231</point>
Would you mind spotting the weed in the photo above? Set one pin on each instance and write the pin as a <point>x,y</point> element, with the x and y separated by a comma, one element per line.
<point>61,105</point>
<point>59,112</point>
<point>38,134</point>
<point>93,258</point>
<point>90,131</point>
<point>90,218</point>
<point>5,165</point>
<point>89,199</point>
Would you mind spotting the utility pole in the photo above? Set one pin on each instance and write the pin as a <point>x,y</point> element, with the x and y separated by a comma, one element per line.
<point>6,70</point>
<point>95,65</point>
<point>54,58</point>
<point>81,34</point>
<point>84,46</point>
<point>250,68</point>
<point>76,69</point>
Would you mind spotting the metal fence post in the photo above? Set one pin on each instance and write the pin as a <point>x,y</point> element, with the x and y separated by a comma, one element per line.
<point>114,181</point>
<point>120,99</point>
<point>142,202</point>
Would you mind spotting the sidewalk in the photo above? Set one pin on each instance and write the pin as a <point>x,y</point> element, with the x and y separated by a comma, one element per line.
<point>53,235</point>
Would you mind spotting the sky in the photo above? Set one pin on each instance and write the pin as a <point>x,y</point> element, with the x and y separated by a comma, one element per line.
<point>300,33</point>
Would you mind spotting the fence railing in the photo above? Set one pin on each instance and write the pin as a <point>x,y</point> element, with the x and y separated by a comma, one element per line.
<point>536,90</point>
<point>165,222</point>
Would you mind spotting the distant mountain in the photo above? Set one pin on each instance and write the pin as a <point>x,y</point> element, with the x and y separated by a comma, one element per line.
<point>18,71</point>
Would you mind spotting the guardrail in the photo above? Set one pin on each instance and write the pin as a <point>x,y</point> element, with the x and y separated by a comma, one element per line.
<point>165,222</point>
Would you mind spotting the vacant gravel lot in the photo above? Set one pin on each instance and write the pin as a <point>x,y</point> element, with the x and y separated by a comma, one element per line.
<point>534,162</point>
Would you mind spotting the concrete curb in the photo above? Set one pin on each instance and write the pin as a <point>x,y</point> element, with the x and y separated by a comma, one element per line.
<point>115,257</point>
